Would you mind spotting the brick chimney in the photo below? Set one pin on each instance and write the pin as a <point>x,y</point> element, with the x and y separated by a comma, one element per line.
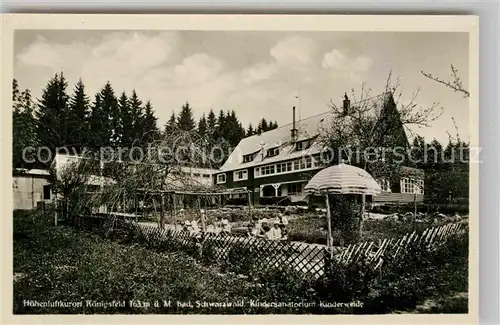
<point>294,129</point>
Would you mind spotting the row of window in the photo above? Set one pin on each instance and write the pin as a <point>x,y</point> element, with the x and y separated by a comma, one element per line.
<point>273,152</point>
<point>287,167</point>
<point>239,175</point>
<point>279,168</point>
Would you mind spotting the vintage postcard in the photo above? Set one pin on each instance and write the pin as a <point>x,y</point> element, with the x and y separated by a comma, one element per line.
<point>240,165</point>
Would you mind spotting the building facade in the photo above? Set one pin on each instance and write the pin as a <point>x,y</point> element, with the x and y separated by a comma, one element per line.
<point>280,162</point>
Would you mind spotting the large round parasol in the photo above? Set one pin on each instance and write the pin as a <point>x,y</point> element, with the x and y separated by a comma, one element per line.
<point>343,179</point>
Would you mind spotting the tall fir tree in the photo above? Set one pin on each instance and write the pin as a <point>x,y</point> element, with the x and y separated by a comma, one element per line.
<point>171,124</point>
<point>211,125</point>
<point>272,125</point>
<point>233,132</point>
<point>112,116</point>
<point>127,120</point>
<point>98,132</point>
<point>78,118</point>
<point>202,126</point>
<point>52,115</point>
<point>137,113</point>
<point>220,130</point>
<point>250,130</point>
<point>185,120</point>
<point>149,124</point>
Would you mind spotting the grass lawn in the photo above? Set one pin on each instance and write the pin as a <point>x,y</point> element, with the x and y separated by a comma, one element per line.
<point>60,263</point>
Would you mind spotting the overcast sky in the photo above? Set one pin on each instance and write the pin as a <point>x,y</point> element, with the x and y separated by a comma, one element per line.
<point>258,74</point>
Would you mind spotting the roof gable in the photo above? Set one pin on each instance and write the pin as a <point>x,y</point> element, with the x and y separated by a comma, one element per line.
<point>307,128</point>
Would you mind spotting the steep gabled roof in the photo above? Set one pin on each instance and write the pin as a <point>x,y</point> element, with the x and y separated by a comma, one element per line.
<point>307,128</point>
<point>280,137</point>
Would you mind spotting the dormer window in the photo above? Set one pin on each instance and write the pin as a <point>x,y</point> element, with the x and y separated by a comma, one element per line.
<point>273,152</point>
<point>302,145</point>
<point>248,158</point>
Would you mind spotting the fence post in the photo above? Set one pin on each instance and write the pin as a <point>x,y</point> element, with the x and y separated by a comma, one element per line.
<point>329,224</point>
<point>55,210</point>
<point>249,205</point>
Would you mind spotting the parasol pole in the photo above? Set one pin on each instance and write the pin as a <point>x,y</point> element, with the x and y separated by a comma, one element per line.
<point>363,202</point>
<point>329,223</point>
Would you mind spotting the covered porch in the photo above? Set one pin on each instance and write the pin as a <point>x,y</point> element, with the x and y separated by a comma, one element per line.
<point>292,189</point>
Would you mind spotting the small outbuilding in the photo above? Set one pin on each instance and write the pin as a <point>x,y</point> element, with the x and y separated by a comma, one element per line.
<point>30,187</point>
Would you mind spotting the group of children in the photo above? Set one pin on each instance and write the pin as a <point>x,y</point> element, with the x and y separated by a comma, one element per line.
<point>222,225</point>
<point>275,229</point>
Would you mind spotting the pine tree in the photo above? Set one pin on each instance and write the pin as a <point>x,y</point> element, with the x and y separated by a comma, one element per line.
<point>78,115</point>
<point>149,124</point>
<point>211,125</point>
<point>250,130</point>
<point>272,125</point>
<point>112,117</point>
<point>220,129</point>
<point>241,132</point>
<point>171,124</point>
<point>52,115</point>
<point>136,111</point>
<point>98,132</point>
<point>185,120</point>
<point>232,131</point>
<point>127,120</point>
<point>202,126</point>
<point>263,126</point>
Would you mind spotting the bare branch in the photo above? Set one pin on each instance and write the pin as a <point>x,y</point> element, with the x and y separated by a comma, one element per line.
<point>455,84</point>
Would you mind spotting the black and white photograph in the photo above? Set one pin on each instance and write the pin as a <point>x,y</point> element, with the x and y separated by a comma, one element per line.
<point>238,171</point>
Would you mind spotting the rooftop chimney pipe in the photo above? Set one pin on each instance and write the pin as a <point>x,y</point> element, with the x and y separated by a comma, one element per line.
<point>294,129</point>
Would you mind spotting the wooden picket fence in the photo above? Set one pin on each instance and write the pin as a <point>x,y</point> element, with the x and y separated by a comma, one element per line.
<point>375,252</point>
<point>249,256</point>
